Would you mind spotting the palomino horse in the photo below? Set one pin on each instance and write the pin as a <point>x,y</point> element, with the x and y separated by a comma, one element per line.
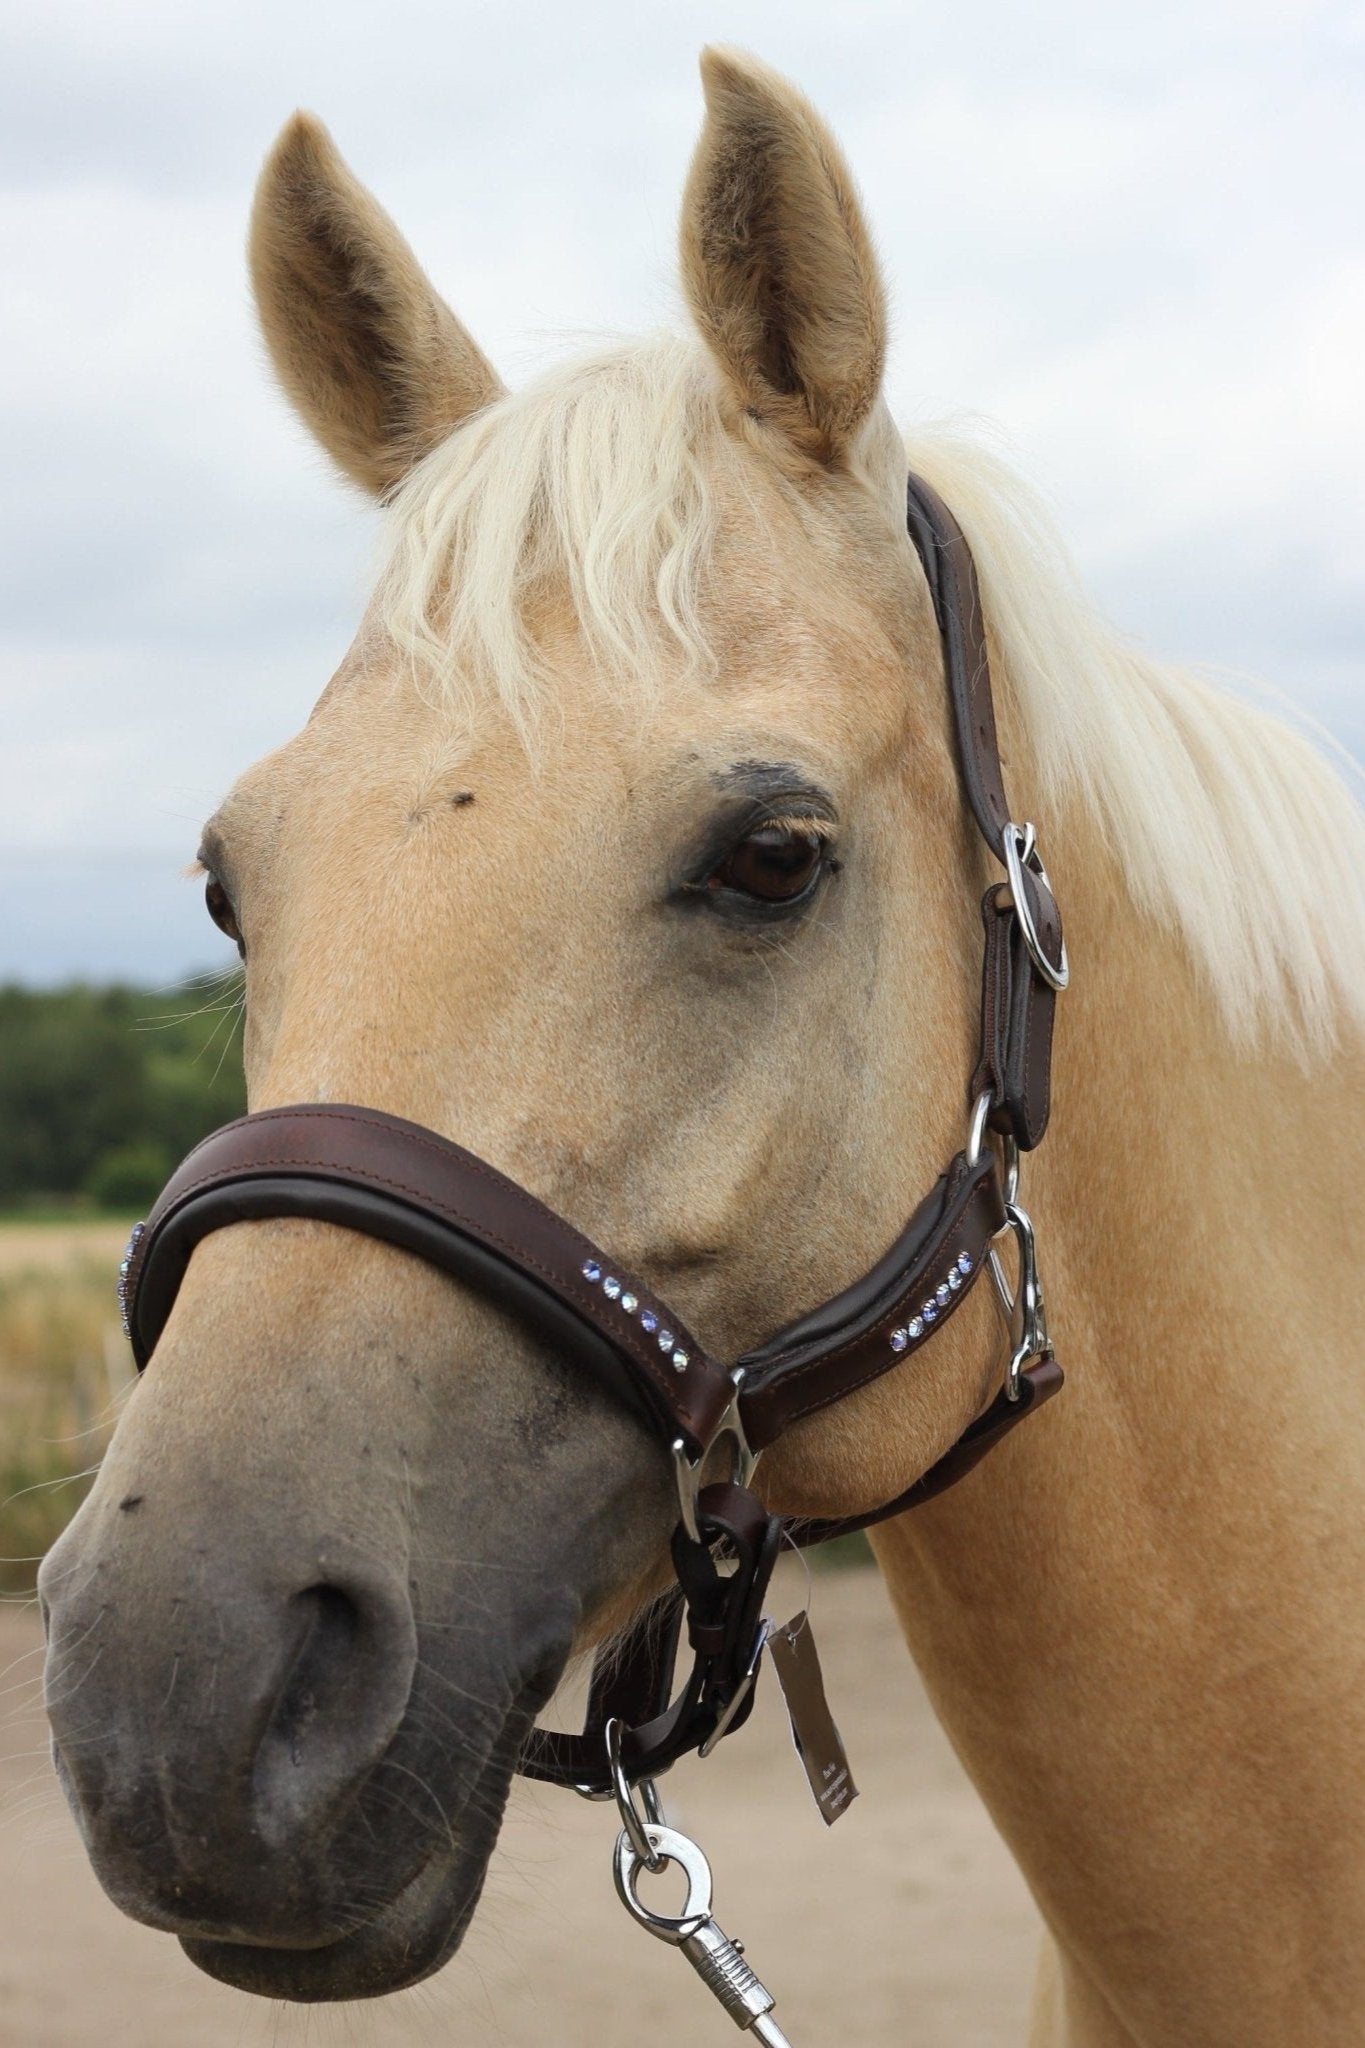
<point>628,847</point>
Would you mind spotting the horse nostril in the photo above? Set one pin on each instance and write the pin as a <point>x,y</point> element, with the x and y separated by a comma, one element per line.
<point>343,1689</point>
<point>331,1625</point>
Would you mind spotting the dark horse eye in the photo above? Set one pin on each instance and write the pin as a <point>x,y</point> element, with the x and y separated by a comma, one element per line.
<point>219,906</point>
<point>776,864</point>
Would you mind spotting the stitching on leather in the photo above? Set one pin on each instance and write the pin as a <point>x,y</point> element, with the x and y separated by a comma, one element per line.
<point>223,1176</point>
<point>880,1368</point>
<point>790,1375</point>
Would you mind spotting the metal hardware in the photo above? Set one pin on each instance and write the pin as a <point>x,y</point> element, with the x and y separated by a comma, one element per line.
<point>1033,1342</point>
<point>634,1829</point>
<point>718,1961</point>
<point>1009,1145</point>
<point>742,1690</point>
<point>687,1471</point>
<point>1021,851</point>
<point>976,1134</point>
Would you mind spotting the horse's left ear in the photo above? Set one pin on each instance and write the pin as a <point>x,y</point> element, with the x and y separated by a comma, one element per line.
<point>777,260</point>
<point>374,360</point>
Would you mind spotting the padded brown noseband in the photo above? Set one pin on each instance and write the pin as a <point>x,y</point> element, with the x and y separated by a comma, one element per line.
<point>387,1178</point>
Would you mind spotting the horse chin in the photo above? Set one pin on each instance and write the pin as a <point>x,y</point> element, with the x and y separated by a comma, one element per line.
<point>416,1933</point>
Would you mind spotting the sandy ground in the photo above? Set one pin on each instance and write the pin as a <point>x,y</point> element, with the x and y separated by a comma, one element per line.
<point>907,1926</point>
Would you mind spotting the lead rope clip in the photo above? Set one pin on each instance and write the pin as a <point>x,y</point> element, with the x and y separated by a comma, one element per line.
<point>647,1844</point>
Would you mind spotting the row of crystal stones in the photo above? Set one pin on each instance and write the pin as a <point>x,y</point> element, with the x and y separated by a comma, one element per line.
<point>617,1291</point>
<point>123,1272</point>
<point>933,1308</point>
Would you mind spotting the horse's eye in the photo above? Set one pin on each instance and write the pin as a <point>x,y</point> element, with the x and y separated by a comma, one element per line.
<point>219,906</point>
<point>775,864</point>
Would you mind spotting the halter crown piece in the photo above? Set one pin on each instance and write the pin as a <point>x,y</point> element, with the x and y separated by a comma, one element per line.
<point>400,1182</point>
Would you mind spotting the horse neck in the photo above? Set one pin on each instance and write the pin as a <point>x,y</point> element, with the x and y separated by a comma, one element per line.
<point>1131,1616</point>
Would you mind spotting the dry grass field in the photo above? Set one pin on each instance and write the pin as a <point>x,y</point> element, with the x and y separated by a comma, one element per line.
<point>63,1367</point>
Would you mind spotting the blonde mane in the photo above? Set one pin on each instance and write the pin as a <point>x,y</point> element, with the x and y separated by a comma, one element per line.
<point>594,474</point>
<point>1232,829</point>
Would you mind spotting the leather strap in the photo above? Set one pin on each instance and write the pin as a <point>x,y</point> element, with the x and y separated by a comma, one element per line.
<point>886,1316</point>
<point>631,1682</point>
<point>1017,1012</point>
<point>951,575</point>
<point>1037,1383</point>
<point>395,1180</point>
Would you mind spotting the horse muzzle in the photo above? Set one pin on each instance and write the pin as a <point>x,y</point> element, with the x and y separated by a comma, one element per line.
<point>259,1759</point>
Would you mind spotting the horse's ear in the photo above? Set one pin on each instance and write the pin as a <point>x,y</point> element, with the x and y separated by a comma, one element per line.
<point>777,260</point>
<point>375,362</point>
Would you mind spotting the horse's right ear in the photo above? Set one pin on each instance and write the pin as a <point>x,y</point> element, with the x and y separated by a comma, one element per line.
<point>778,263</point>
<point>375,362</point>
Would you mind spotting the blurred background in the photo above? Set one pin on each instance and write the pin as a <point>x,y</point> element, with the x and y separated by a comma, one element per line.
<point>1125,244</point>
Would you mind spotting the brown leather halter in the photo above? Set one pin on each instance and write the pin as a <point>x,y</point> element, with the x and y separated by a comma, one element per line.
<point>391,1179</point>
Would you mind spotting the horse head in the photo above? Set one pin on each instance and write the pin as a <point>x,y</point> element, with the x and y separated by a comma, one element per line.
<point>626,848</point>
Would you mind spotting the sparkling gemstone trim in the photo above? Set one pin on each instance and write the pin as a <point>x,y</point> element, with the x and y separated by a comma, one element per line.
<point>125,1267</point>
<point>906,1334</point>
<point>615,1290</point>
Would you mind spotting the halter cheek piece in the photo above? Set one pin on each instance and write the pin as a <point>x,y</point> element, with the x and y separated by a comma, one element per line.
<point>395,1180</point>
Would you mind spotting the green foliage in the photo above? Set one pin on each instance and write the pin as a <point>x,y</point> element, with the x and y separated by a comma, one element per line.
<point>103,1089</point>
<point>130,1177</point>
<point>844,1553</point>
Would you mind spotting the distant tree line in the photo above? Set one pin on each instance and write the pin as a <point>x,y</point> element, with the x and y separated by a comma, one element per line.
<point>103,1089</point>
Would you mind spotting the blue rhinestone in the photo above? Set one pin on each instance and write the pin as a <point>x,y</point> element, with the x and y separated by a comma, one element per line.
<point>592,1271</point>
<point>899,1340</point>
<point>611,1287</point>
<point>665,1340</point>
<point>648,1320</point>
<point>964,1264</point>
<point>929,1312</point>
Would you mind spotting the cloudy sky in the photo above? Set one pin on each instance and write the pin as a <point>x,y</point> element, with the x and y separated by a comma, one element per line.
<point>1129,238</point>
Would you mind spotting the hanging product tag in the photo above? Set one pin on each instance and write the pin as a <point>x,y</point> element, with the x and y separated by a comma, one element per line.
<point>818,1742</point>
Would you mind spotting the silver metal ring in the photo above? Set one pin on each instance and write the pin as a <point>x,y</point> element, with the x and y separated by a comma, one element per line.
<point>1021,848</point>
<point>634,1829</point>
<point>687,1471</point>
<point>1009,1160</point>
<point>663,1846</point>
<point>976,1134</point>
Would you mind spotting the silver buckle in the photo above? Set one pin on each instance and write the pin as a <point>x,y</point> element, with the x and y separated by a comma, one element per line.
<point>742,1690</point>
<point>1021,851</point>
<point>1033,1342</point>
<point>687,1471</point>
